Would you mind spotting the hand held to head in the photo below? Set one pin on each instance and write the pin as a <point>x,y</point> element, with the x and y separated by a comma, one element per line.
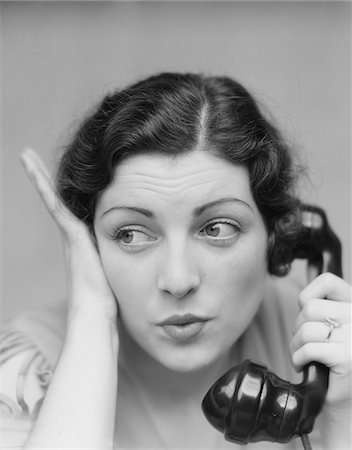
<point>84,385</point>
<point>88,289</point>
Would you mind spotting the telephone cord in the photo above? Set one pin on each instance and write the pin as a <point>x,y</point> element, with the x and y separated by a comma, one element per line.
<point>305,442</point>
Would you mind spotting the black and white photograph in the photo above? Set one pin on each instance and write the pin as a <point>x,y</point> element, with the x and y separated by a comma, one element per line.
<point>175,225</point>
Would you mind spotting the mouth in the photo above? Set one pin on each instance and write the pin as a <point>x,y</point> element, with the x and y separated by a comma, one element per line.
<point>183,327</point>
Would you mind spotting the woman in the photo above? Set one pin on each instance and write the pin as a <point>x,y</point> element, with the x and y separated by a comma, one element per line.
<point>176,207</point>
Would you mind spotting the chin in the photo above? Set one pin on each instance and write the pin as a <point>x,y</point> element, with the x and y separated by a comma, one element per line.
<point>184,368</point>
<point>187,361</point>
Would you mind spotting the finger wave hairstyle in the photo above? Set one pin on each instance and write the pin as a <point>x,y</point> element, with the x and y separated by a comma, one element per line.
<point>172,114</point>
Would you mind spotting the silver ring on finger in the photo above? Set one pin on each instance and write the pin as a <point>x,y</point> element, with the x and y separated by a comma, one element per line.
<point>332,324</point>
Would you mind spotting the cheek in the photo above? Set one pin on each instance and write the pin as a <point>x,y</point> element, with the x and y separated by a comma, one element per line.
<point>244,267</point>
<point>239,284</point>
<point>130,285</point>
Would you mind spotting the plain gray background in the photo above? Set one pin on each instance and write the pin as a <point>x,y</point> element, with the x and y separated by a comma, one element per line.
<point>59,58</point>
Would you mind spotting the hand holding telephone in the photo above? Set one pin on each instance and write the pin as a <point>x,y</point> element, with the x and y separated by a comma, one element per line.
<point>249,403</point>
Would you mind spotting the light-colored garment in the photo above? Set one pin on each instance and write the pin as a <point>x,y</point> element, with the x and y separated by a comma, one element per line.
<point>30,346</point>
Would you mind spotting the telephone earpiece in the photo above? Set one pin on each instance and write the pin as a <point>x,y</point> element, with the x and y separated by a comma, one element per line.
<point>249,403</point>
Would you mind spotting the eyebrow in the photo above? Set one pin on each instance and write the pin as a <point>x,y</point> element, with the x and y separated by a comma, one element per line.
<point>143,211</point>
<point>196,212</point>
<point>201,209</point>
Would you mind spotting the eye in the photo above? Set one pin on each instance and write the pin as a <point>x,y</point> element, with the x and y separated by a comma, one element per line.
<point>129,237</point>
<point>220,230</point>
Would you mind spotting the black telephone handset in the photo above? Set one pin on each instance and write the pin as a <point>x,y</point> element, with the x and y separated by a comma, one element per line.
<point>249,403</point>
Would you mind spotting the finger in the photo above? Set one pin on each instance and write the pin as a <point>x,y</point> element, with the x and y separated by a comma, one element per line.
<point>41,179</point>
<point>329,286</point>
<point>328,353</point>
<point>317,309</point>
<point>44,185</point>
<point>316,332</point>
<point>29,153</point>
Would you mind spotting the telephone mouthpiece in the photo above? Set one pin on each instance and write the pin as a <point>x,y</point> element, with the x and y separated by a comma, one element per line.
<point>250,404</point>
<point>217,404</point>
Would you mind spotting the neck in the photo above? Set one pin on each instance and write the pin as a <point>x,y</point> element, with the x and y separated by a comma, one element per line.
<point>160,381</point>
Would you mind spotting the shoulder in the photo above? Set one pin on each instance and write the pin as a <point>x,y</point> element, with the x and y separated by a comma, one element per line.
<point>29,347</point>
<point>24,377</point>
<point>25,374</point>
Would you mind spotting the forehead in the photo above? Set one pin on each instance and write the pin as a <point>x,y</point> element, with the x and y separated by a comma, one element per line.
<point>192,177</point>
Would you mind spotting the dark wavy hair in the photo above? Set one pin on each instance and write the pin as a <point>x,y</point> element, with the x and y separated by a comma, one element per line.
<point>173,113</point>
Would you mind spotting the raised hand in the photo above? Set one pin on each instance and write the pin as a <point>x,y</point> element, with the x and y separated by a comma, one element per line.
<point>323,334</point>
<point>79,408</point>
<point>88,289</point>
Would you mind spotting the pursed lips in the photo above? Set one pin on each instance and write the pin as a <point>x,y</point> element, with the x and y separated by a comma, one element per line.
<point>183,328</point>
<point>184,319</point>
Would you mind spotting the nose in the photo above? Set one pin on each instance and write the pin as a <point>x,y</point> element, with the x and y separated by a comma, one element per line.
<point>178,274</point>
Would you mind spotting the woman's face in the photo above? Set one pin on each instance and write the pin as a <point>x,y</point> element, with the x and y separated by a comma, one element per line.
<point>183,247</point>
